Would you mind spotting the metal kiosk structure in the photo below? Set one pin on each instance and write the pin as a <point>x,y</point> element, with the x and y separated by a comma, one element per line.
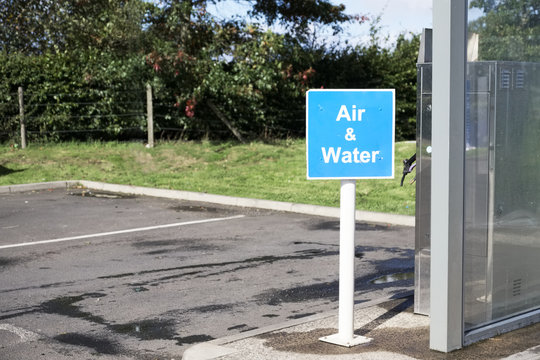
<point>478,201</point>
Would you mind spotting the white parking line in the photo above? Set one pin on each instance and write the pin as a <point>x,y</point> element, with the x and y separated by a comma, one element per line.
<point>148,228</point>
<point>25,335</point>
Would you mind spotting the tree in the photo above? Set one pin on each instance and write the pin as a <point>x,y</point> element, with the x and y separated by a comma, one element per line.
<point>211,78</point>
<point>374,65</point>
<point>245,74</point>
<point>38,26</point>
<point>508,30</point>
<point>297,15</point>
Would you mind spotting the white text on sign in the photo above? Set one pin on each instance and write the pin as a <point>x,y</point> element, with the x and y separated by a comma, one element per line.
<point>347,157</point>
<point>356,113</point>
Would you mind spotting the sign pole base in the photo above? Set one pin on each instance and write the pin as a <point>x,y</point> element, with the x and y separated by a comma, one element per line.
<point>337,339</point>
<point>347,227</point>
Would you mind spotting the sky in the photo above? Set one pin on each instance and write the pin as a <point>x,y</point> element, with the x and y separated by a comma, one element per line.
<point>397,16</point>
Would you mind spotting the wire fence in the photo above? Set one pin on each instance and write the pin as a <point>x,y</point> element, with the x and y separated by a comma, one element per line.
<point>127,115</point>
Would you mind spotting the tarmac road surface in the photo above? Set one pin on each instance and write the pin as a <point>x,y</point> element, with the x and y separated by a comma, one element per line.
<point>87,274</point>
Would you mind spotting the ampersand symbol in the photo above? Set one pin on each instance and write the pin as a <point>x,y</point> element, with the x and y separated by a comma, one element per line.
<point>350,136</point>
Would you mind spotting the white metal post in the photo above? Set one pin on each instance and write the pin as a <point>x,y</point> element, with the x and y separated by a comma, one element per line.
<point>447,179</point>
<point>345,336</point>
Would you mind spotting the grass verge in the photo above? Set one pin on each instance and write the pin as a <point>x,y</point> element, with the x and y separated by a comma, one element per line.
<point>258,170</point>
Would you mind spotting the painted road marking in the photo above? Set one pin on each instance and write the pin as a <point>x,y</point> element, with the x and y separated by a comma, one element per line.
<point>24,334</point>
<point>148,228</point>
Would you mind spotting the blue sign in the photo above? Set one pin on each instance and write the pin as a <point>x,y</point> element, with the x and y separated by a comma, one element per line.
<point>350,134</point>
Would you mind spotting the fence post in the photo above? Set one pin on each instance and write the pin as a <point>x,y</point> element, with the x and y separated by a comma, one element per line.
<point>149,116</point>
<point>22,120</point>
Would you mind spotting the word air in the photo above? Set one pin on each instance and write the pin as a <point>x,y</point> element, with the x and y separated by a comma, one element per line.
<point>345,114</point>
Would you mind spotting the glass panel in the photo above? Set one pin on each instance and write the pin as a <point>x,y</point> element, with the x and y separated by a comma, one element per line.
<point>502,171</point>
<point>423,191</point>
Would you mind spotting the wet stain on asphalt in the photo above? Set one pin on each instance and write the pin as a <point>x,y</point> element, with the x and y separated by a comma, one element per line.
<point>313,243</point>
<point>360,226</point>
<point>156,243</point>
<point>242,328</point>
<point>6,262</point>
<point>270,315</point>
<point>140,289</point>
<point>117,276</point>
<point>65,306</point>
<point>192,339</point>
<point>157,329</point>
<point>299,316</point>
<point>196,208</point>
<point>212,308</point>
<point>237,327</point>
<point>326,290</point>
<point>100,345</point>
<point>172,277</point>
<point>393,278</point>
<point>158,252</point>
<point>51,285</point>
<point>246,263</point>
<point>170,246</point>
<point>318,291</point>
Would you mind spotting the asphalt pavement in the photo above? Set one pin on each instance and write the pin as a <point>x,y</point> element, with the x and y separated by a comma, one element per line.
<point>94,274</point>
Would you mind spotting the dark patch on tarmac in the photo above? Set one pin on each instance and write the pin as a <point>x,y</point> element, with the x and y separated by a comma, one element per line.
<point>313,243</point>
<point>212,308</point>
<point>140,289</point>
<point>179,245</point>
<point>65,306</point>
<point>390,278</point>
<point>156,243</point>
<point>7,262</point>
<point>324,290</point>
<point>196,208</point>
<point>159,252</point>
<point>299,316</point>
<point>242,328</point>
<point>155,329</point>
<point>245,263</point>
<point>360,226</point>
<point>192,339</point>
<point>237,327</point>
<point>172,277</point>
<point>100,345</point>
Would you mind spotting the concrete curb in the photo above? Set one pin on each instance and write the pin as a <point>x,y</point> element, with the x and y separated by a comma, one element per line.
<point>37,186</point>
<point>214,348</point>
<point>371,217</point>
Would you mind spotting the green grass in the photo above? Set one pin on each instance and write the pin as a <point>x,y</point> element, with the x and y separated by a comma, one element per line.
<point>258,170</point>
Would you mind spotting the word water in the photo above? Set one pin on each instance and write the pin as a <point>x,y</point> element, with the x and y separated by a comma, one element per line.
<point>348,157</point>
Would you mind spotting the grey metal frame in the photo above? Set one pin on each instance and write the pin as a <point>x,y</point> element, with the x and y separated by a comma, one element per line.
<point>447,182</point>
<point>513,323</point>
